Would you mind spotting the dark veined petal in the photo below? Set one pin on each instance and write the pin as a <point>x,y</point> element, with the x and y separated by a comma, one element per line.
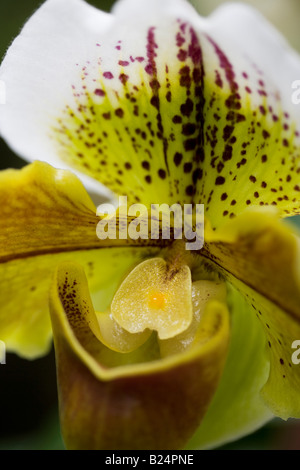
<point>167,108</point>
<point>47,217</point>
<point>237,408</point>
<point>129,401</point>
<point>260,257</point>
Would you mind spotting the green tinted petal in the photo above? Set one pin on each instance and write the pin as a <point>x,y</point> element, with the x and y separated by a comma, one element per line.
<point>136,126</point>
<point>237,408</point>
<point>252,144</point>
<point>260,256</point>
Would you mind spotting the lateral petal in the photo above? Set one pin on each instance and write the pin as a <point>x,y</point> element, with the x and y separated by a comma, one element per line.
<point>46,217</point>
<point>238,408</point>
<point>260,257</point>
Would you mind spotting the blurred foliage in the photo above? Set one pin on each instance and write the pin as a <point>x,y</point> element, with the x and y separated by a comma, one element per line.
<point>28,397</point>
<point>284,14</point>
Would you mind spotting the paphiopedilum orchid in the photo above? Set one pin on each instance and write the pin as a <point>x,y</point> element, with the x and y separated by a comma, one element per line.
<point>157,347</point>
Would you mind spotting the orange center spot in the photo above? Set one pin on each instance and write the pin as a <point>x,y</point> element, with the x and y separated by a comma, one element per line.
<point>156,300</point>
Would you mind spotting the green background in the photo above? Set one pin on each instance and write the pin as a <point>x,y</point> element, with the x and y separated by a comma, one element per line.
<point>28,398</point>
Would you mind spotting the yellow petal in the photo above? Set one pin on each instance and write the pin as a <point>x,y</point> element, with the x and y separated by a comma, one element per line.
<point>237,408</point>
<point>46,217</point>
<point>142,402</point>
<point>44,210</point>
<point>260,256</point>
<point>192,121</point>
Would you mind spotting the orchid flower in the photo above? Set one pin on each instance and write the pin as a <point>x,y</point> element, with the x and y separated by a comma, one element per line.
<point>157,347</point>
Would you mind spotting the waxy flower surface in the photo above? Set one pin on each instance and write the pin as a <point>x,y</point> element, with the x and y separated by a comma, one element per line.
<point>157,346</point>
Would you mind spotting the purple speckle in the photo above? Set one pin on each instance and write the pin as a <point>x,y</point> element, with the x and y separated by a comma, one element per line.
<point>123,78</point>
<point>151,54</point>
<point>285,143</point>
<point>150,69</point>
<point>262,110</point>
<point>225,65</point>
<point>218,81</point>
<point>99,92</point>
<point>194,50</point>
<point>182,55</point>
<point>262,92</point>
<point>179,40</point>
<point>108,75</point>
